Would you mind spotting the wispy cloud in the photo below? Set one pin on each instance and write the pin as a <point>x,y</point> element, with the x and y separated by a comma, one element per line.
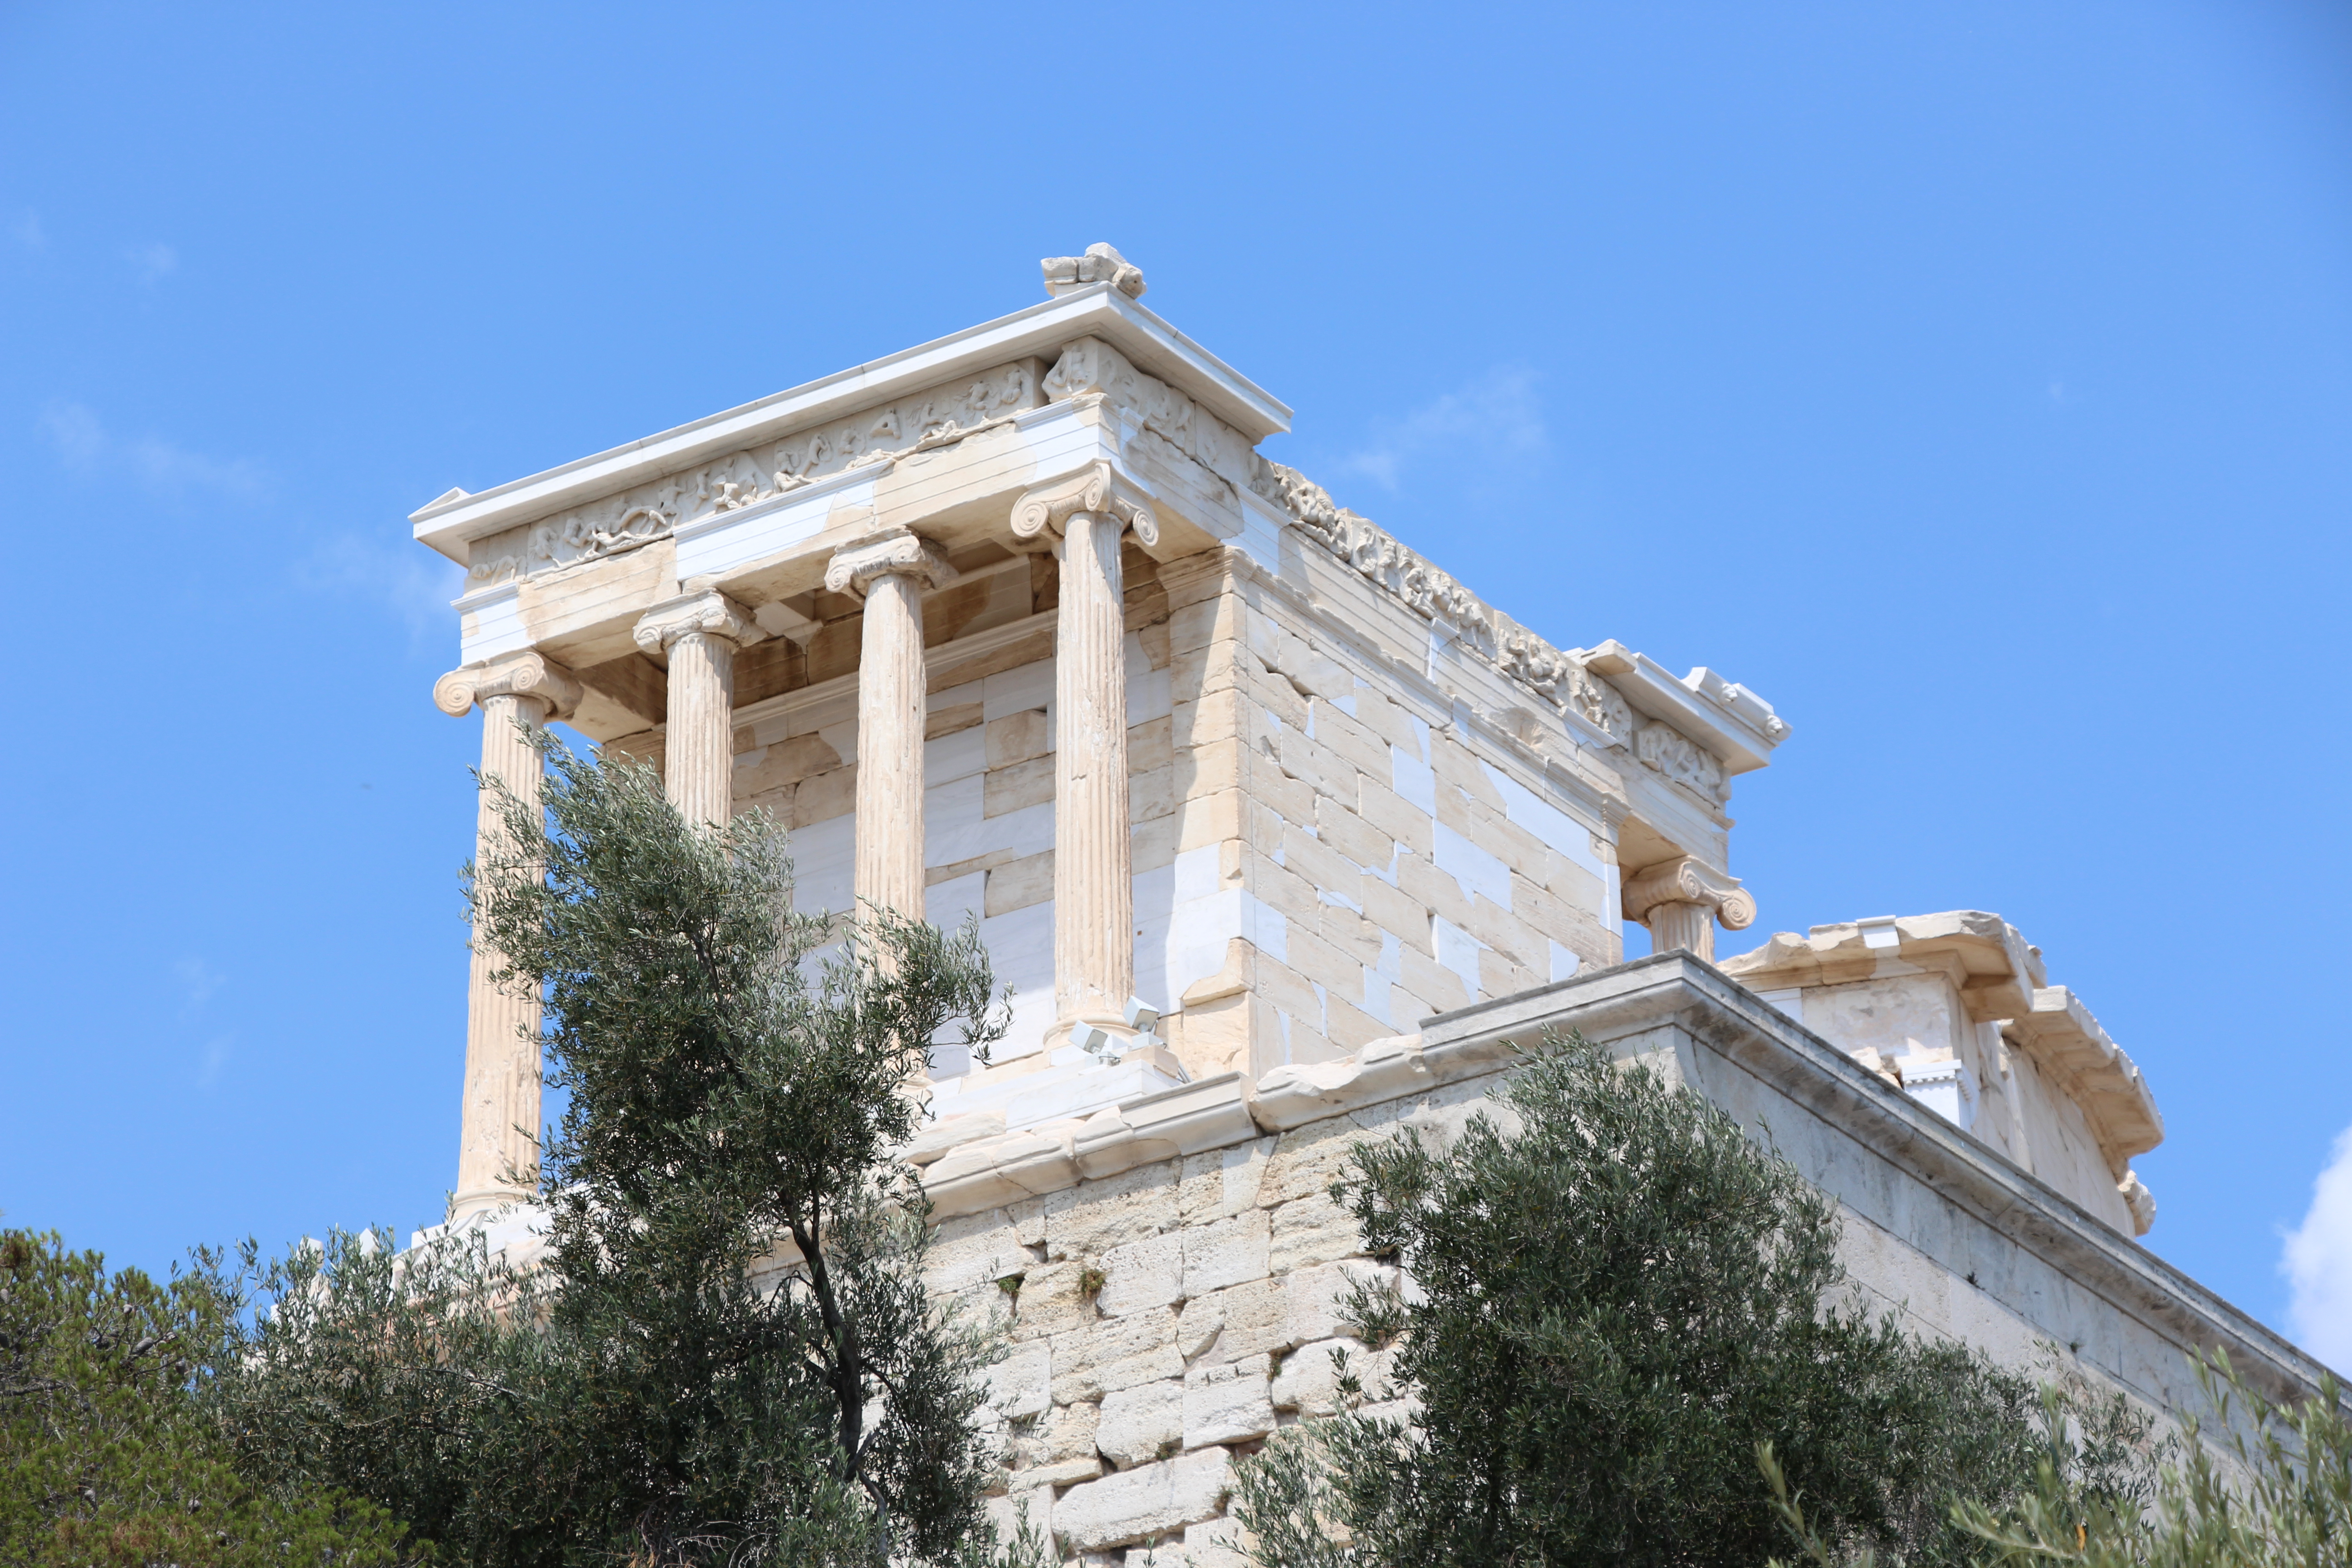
<point>1498,418</point>
<point>84,445</point>
<point>216,1057</point>
<point>26,233</point>
<point>2317,1263</point>
<point>153,261</point>
<point>404,576</point>
<point>198,980</point>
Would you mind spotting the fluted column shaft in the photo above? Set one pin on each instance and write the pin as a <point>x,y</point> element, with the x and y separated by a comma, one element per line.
<point>891,570</point>
<point>698,758</point>
<point>1094,894</point>
<point>1690,927</point>
<point>700,634</point>
<point>497,1153</point>
<point>497,1140</point>
<point>890,718</point>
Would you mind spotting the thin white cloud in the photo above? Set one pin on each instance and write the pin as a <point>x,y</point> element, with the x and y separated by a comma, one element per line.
<point>2317,1263</point>
<point>153,261</point>
<point>216,1058</point>
<point>1498,418</point>
<point>27,234</point>
<point>406,578</point>
<point>84,445</point>
<point>198,979</point>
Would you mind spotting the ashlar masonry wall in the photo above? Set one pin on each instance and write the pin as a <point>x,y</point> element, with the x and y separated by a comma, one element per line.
<point>1170,1271</point>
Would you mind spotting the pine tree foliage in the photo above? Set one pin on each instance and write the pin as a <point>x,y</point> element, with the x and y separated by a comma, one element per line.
<point>727,1355</point>
<point>1617,1296</point>
<point>108,1459</point>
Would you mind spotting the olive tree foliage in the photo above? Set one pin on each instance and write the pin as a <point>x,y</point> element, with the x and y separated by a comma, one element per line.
<point>727,1354</point>
<point>1617,1296</point>
<point>108,1454</point>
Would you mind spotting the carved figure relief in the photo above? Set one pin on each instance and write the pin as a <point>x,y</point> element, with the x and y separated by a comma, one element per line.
<point>1681,759</point>
<point>636,516</point>
<point>1090,365</point>
<point>1561,678</point>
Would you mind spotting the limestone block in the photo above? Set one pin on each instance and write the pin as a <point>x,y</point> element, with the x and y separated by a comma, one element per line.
<point>1017,787</point>
<point>1011,1510</point>
<point>1312,1229</point>
<point>1315,1299</point>
<point>1020,1386</point>
<point>1213,1544</point>
<point>1225,1252</point>
<point>1309,1378</point>
<point>1141,1423</point>
<point>1252,1319</point>
<point>1350,932</point>
<point>1296,1096</point>
<point>1151,794</point>
<point>1151,745</point>
<point>1500,975</point>
<point>1142,1274</point>
<point>1434,890</point>
<point>1438,985</point>
<point>1018,737</point>
<point>972,1249</point>
<point>1456,766</point>
<point>824,796</point>
<point>1383,717</point>
<point>1047,1474</point>
<point>1335,727</point>
<point>1507,934</point>
<point>1315,765</point>
<point>1019,884</point>
<point>1089,1221</point>
<point>1292,799</point>
<point>933,1142</point>
<point>1323,964</point>
<point>1152,844</point>
<point>1103,1357</point>
<point>1307,1155</point>
<point>1222,1182</point>
<point>1150,1499</point>
<point>1209,820</point>
<point>1198,1323</point>
<point>1393,815</point>
<point>1205,721</point>
<point>1351,836</point>
<point>1050,1301</point>
<point>1396,912</point>
<point>1069,1433</point>
<point>1207,768</point>
<point>1280,887</point>
<point>1348,1027</point>
<point>1227,1402</point>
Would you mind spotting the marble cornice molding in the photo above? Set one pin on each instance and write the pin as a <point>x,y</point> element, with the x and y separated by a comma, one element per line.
<point>1688,880</point>
<point>711,613</point>
<point>893,551</point>
<point>1098,491</point>
<point>526,675</point>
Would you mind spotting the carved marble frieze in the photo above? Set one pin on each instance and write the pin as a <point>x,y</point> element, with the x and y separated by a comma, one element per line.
<point>1089,365</point>
<point>636,516</point>
<point>1561,677</point>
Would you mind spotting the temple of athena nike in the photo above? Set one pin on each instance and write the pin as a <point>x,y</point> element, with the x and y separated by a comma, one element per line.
<point>1283,836</point>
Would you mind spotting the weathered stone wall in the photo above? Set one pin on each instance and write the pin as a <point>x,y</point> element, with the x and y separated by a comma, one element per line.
<point>1168,1316</point>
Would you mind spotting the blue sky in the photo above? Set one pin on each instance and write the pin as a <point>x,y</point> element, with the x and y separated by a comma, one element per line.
<point>1973,381</point>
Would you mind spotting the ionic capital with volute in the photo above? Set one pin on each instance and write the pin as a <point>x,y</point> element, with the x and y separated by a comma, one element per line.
<point>1097,491</point>
<point>528,675</point>
<point>896,551</point>
<point>1681,900</point>
<point>710,614</point>
<point>1690,880</point>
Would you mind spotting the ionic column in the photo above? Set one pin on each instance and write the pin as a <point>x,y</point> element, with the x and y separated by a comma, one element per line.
<point>699,633</point>
<point>497,1141</point>
<point>1094,894</point>
<point>1681,900</point>
<point>890,571</point>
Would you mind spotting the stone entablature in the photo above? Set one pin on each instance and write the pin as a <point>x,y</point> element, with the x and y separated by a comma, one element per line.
<point>1957,1007</point>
